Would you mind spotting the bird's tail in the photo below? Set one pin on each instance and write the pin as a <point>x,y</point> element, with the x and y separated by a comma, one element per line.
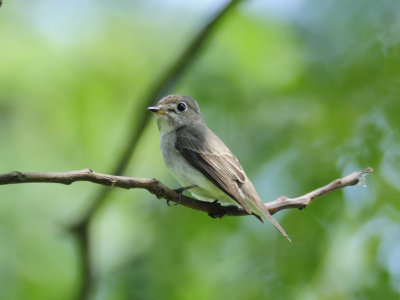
<point>268,216</point>
<point>258,206</point>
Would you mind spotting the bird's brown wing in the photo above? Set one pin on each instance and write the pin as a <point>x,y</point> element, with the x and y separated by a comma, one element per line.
<point>208,154</point>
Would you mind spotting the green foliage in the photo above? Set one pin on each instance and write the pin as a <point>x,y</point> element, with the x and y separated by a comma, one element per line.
<point>301,98</point>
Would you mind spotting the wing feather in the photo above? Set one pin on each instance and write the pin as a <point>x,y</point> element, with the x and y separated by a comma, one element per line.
<point>207,153</point>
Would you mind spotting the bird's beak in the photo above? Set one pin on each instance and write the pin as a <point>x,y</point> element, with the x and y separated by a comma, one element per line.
<point>157,110</point>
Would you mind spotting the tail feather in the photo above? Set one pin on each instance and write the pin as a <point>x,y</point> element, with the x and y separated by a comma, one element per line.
<point>257,204</point>
<point>268,216</point>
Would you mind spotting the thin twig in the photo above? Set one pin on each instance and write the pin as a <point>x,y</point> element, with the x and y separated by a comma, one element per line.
<point>157,188</point>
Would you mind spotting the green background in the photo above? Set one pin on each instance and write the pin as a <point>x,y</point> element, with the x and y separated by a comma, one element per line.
<point>302,91</point>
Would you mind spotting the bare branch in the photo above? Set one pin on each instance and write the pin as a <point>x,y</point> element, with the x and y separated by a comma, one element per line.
<point>302,201</point>
<point>157,188</point>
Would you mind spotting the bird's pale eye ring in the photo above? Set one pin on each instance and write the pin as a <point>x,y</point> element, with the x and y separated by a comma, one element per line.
<point>181,107</point>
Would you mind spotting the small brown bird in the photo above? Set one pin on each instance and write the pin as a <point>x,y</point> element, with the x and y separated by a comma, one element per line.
<point>196,156</point>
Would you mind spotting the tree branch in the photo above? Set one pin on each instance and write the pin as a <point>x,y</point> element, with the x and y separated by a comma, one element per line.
<point>157,188</point>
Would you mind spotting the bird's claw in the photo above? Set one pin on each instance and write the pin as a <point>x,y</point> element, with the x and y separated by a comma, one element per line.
<point>180,190</point>
<point>215,214</point>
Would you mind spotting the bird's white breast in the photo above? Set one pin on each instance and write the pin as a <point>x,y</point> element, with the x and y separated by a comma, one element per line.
<point>186,174</point>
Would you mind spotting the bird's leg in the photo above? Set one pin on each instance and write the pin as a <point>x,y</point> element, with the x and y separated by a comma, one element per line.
<point>217,207</point>
<point>180,191</point>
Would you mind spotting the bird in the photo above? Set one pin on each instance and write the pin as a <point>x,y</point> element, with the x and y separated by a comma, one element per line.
<point>198,158</point>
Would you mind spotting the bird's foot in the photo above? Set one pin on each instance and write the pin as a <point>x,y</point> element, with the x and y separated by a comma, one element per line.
<point>217,210</point>
<point>180,191</point>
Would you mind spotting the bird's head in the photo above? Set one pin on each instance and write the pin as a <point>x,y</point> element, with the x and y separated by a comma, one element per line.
<point>175,111</point>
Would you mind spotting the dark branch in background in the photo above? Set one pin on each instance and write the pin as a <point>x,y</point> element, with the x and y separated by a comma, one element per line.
<point>167,82</point>
<point>162,191</point>
<point>139,122</point>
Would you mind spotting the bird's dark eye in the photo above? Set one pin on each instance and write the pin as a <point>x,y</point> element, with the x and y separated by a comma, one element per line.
<point>181,107</point>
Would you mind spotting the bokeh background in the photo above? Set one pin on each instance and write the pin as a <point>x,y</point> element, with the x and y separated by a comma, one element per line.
<point>302,91</point>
